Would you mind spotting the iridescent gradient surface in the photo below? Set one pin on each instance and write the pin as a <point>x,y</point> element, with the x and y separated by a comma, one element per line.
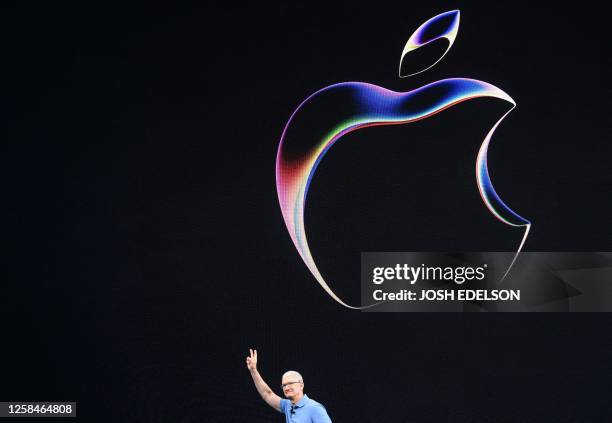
<point>445,25</point>
<point>356,105</point>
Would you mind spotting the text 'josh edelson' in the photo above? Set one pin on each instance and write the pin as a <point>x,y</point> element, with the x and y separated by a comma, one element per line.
<point>404,282</point>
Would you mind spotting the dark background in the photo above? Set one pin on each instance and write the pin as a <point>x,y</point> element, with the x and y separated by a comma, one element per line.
<point>147,251</point>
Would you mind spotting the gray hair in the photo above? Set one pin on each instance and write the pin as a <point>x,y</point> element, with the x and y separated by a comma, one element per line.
<point>294,374</point>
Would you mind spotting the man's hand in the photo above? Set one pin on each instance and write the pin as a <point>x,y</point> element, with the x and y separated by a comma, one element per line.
<point>251,361</point>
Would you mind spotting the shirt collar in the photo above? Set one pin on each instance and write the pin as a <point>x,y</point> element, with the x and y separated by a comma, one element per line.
<point>302,402</point>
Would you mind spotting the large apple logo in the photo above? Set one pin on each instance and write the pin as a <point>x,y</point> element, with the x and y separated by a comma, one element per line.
<point>356,105</point>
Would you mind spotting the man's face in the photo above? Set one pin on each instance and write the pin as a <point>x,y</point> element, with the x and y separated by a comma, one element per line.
<point>292,386</point>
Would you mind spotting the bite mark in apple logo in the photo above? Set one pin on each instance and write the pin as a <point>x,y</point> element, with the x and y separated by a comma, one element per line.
<point>357,105</point>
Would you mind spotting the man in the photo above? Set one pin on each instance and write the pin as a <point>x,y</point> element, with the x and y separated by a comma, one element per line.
<point>297,408</point>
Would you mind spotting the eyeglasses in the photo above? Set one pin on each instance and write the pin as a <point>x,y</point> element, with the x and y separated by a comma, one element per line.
<point>284,385</point>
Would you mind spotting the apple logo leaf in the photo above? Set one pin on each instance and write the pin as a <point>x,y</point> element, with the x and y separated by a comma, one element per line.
<point>443,27</point>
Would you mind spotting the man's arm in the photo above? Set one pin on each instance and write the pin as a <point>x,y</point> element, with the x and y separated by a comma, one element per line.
<point>264,390</point>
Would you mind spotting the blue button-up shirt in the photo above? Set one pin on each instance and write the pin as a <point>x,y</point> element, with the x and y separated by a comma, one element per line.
<point>305,411</point>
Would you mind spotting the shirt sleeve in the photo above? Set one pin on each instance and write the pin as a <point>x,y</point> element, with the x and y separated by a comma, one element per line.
<point>284,405</point>
<point>319,415</point>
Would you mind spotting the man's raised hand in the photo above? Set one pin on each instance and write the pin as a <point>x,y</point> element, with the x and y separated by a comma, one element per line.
<point>251,360</point>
